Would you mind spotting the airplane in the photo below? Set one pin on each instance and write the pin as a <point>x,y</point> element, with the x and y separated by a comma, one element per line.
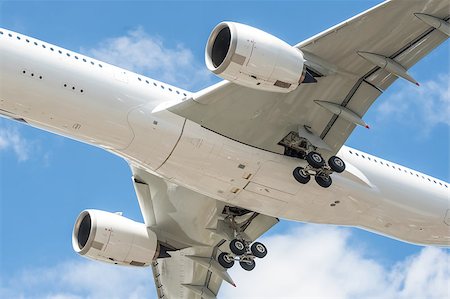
<point>215,169</point>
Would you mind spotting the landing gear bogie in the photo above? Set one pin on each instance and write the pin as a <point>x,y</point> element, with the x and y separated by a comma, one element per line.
<point>319,169</point>
<point>242,252</point>
<point>241,247</point>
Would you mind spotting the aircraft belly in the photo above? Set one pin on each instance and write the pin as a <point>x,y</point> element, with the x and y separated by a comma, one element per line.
<point>253,179</point>
<point>155,135</point>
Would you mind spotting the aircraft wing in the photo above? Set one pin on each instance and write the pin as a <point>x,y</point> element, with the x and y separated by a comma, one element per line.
<point>348,76</point>
<point>192,232</point>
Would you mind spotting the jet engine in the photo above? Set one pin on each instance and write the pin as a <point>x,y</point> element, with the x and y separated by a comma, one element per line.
<point>254,58</point>
<point>112,238</point>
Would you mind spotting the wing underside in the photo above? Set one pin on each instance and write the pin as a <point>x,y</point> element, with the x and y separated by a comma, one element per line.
<point>192,232</point>
<point>345,78</point>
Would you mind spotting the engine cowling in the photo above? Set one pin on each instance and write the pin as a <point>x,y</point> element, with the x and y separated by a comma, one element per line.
<point>254,58</point>
<point>112,238</point>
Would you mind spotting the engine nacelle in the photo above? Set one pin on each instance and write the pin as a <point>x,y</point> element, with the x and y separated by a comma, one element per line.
<point>254,58</point>
<point>112,238</point>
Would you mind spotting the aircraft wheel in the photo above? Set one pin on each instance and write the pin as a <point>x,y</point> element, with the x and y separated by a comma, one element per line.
<point>258,250</point>
<point>225,260</point>
<point>336,164</point>
<point>248,265</point>
<point>301,175</point>
<point>315,160</point>
<point>323,180</point>
<point>237,247</point>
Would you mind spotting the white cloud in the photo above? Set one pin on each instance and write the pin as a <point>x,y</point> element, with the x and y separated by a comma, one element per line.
<point>312,261</point>
<point>320,262</point>
<point>423,107</point>
<point>142,53</point>
<point>11,139</point>
<point>80,279</point>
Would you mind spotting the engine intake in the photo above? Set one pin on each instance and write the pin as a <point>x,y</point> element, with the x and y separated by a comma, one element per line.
<point>254,58</point>
<point>114,239</point>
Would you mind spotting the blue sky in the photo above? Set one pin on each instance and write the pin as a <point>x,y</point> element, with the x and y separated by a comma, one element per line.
<point>46,180</point>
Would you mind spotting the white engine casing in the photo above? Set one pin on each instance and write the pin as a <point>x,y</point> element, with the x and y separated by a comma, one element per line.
<point>254,58</point>
<point>112,238</point>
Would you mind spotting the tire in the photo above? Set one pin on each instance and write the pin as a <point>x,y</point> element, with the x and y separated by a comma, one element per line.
<point>248,265</point>
<point>258,250</point>
<point>315,160</point>
<point>336,164</point>
<point>301,176</point>
<point>237,247</point>
<point>324,181</point>
<point>225,260</point>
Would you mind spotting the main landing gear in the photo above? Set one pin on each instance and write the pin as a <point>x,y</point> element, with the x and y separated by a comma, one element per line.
<point>244,253</point>
<point>241,249</point>
<point>319,169</point>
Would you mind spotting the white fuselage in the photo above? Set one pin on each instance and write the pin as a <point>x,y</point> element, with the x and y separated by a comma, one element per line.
<point>75,96</point>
